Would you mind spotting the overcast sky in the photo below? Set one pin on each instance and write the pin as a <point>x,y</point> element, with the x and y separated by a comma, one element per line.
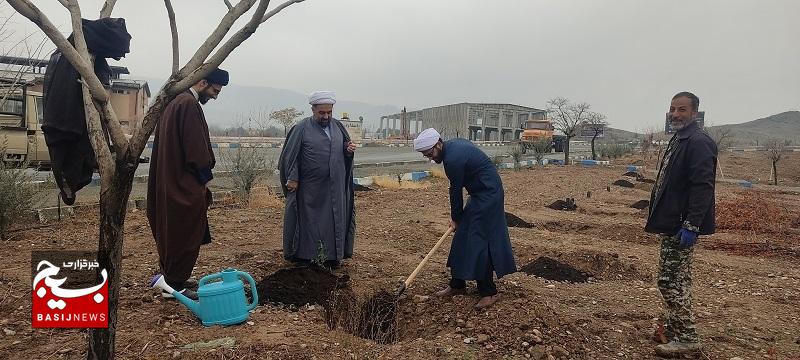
<point>624,57</point>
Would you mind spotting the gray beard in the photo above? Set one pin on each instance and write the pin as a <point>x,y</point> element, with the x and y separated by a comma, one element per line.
<point>677,125</point>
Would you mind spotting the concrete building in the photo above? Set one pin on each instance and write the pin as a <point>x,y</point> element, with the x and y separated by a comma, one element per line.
<point>474,121</point>
<point>129,97</point>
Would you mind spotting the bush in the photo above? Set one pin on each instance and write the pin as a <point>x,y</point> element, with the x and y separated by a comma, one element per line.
<point>247,167</point>
<point>17,195</point>
<point>516,156</point>
<point>539,148</point>
<point>614,151</point>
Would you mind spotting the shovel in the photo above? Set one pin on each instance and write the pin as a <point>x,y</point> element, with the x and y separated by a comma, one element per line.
<point>405,284</point>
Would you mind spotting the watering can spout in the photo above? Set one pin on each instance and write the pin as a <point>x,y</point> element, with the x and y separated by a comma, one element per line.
<point>159,282</point>
<point>194,306</point>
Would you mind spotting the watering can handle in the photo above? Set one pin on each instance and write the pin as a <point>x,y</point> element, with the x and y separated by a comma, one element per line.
<point>253,289</point>
<point>205,279</point>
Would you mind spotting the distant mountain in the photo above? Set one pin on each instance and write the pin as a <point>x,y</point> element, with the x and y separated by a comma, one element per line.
<point>239,99</point>
<point>785,125</point>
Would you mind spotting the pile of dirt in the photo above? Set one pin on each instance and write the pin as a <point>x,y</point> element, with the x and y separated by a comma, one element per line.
<point>645,180</point>
<point>567,204</point>
<point>632,174</point>
<point>358,187</point>
<point>299,286</point>
<point>641,204</point>
<point>514,221</point>
<point>624,183</point>
<point>552,269</point>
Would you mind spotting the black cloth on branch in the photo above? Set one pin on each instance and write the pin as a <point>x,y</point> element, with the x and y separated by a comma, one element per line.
<point>64,124</point>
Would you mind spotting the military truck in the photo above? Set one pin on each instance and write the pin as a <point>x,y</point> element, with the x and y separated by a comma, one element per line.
<point>21,138</point>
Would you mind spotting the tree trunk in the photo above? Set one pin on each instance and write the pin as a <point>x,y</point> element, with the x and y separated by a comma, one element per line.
<point>594,155</point>
<point>775,173</point>
<point>113,206</point>
<point>566,151</point>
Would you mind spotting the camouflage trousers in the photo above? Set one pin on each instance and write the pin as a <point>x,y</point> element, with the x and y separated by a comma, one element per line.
<point>675,284</point>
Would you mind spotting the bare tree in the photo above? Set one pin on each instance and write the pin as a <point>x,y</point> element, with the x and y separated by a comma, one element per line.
<point>286,117</point>
<point>721,135</point>
<point>596,123</point>
<point>12,74</point>
<point>775,150</point>
<point>117,168</point>
<point>566,118</point>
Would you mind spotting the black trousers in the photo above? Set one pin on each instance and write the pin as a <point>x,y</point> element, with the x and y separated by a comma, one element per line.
<point>486,287</point>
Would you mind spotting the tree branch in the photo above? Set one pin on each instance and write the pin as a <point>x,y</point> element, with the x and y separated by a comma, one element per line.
<point>216,37</point>
<point>174,28</point>
<point>64,2</point>
<point>81,64</point>
<point>228,4</point>
<point>279,8</point>
<point>220,55</point>
<point>108,7</point>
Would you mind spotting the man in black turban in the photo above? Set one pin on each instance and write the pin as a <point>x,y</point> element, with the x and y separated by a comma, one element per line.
<point>177,188</point>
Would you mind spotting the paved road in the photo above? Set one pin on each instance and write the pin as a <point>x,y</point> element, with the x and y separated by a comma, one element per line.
<point>365,155</point>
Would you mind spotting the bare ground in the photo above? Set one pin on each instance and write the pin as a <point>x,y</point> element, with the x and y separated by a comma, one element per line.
<point>746,306</point>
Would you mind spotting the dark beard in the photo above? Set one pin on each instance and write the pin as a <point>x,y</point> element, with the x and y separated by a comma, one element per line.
<point>203,99</point>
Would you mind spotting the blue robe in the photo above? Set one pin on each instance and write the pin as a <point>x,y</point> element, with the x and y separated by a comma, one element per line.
<point>481,242</point>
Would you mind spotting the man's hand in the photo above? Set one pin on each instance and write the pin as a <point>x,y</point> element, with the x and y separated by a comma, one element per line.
<point>688,238</point>
<point>291,185</point>
<point>453,225</point>
<point>351,148</point>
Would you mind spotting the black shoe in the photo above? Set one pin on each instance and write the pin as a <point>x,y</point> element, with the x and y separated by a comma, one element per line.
<point>185,292</point>
<point>190,284</point>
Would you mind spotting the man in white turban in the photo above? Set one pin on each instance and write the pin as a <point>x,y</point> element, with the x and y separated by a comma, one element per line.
<point>481,245</point>
<point>316,171</point>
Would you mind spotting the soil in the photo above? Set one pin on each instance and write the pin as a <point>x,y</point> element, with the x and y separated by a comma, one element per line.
<point>632,174</point>
<point>551,269</point>
<point>641,204</point>
<point>514,221</point>
<point>746,282</point>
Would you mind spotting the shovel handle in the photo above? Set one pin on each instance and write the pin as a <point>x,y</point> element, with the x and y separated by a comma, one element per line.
<point>424,261</point>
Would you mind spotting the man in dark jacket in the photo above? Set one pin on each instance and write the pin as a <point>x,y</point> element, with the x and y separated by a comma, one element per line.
<point>177,189</point>
<point>481,245</point>
<point>681,208</point>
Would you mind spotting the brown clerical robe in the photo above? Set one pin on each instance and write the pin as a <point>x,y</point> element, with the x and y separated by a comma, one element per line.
<point>177,197</point>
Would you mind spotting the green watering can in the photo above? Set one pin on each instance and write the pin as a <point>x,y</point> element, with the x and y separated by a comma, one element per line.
<point>222,300</point>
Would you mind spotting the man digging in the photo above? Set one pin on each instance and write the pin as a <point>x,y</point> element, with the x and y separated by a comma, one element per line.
<point>681,208</point>
<point>481,244</point>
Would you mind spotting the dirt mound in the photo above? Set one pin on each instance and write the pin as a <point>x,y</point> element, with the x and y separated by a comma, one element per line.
<point>605,266</point>
<point>514,221</point>
<point>552,269</point>
<point>633,174</point>
<point>564,205</point>
<point>645,180</point>
<point>299,286</point>
<point>624,183</point>
<point>641,204</point>
<point>358,187</point>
